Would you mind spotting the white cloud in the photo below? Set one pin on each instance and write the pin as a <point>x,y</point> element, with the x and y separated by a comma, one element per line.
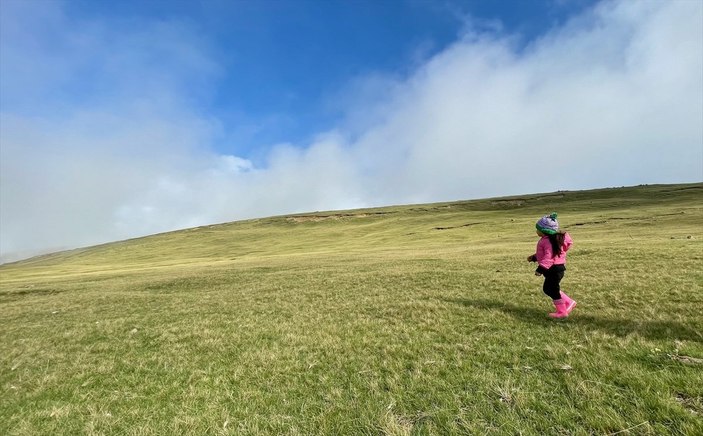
<point>615,97</point>
<point>612,98</point>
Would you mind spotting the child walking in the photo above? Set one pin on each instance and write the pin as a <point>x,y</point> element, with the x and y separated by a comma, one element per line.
<point>551,259</point>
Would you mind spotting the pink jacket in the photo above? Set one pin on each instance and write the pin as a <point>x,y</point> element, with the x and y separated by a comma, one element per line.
<point>544,253</point>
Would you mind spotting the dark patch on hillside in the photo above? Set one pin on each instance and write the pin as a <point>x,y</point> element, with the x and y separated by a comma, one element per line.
<point>638,219</point>
<point>29,291</point>
<point>456,227</point>
<point>686,188</point>
<point>588,223</point>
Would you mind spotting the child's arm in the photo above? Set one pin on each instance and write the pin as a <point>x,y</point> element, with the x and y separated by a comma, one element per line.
<point>544,256</point>
<point>568,242</point>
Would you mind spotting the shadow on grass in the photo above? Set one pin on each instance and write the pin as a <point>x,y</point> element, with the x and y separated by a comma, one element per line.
<point>651,329</point>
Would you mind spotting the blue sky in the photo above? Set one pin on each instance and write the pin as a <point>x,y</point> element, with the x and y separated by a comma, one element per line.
<point>122,119</point>
<point>282,63</point>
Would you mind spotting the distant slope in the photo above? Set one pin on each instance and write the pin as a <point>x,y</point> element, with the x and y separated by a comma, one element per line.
<point>364,230</point>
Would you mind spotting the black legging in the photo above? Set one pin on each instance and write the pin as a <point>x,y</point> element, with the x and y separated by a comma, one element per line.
<point>552,278</point>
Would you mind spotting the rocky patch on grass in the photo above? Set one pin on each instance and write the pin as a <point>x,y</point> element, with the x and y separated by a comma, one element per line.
<point>336,216</point>
<point>690,403</point>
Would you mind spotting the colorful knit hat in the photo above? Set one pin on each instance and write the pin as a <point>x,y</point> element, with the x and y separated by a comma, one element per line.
<point>548,224</point>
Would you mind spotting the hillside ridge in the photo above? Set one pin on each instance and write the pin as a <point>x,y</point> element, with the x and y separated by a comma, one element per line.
<point>567,201</point>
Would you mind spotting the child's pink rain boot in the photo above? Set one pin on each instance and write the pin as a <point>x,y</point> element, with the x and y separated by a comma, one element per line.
<point>570,304</point>
<point>560,305</point>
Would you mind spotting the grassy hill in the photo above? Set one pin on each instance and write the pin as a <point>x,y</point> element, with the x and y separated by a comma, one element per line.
<point>421,319</point>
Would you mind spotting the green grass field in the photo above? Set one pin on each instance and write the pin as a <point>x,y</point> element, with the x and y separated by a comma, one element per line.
<point>402,320</point>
